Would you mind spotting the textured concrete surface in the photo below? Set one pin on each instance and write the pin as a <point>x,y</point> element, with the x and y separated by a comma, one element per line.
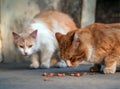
<point>20,76</point>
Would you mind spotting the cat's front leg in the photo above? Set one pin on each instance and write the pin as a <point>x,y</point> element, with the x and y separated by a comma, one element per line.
<point>110,66</point>
<point>95,68</point>
<point>61,63</point>
<point>35,61</point>
<point>45,58</point>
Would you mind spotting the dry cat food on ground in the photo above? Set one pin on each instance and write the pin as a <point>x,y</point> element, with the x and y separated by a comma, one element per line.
<point>70,74</point>
<point>51,74</point>
<point>84,73</point>
<point>46,79</point>
<point>77,74</point>
<point>61,74</point>
<point>44,74</point>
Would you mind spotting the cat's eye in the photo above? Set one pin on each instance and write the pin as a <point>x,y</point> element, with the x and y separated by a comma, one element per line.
<point>30,46</point>
<point>21,46</point>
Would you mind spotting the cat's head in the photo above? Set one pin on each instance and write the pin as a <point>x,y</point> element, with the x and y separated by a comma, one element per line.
<point>64,41</point>
<point>71,47</point>
<point>25,42</point>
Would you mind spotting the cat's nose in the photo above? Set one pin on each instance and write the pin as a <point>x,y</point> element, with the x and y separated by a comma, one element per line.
<point>68,63</point>
<point>26,53</point>
<point>69,56</point>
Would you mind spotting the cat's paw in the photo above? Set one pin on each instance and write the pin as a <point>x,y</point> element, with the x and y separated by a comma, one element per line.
<point>45,66</point>
<point>109,71</point>
<point>61,64</point>
<point>34,65</point>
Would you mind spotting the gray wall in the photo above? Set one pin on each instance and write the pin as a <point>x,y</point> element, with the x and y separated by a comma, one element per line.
<point>0,36</point>
<point>15,12</point>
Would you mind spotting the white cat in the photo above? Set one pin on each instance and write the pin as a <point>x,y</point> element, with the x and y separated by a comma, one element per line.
<point>38,38</point>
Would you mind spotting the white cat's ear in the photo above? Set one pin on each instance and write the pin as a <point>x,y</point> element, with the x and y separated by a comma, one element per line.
<point>34,34</point>
<point>15,36</point>
<point>58,36</point>
<point>76,37</point>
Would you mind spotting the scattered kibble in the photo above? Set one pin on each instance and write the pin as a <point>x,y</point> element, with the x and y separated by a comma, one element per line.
<point>63,74</point>
<point>46,79</point>
<point>59,74</point>
<point>77,74</point>
<point>85,73</point>
<point>72,74</point>
<point>44,74</point>
<point>51,74</point>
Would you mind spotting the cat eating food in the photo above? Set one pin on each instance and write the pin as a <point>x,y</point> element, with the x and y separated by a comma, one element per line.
<point>96,43</point>
<point>38,38</point>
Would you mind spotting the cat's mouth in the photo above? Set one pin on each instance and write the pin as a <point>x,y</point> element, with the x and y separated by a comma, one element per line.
<point>68,62</point>
<point>26,54</point>
<point>72,64</point>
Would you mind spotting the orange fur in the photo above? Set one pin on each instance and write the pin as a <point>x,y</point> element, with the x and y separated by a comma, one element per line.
<point>96,43</point>
<point>47,17</point>
<point>38,38</point>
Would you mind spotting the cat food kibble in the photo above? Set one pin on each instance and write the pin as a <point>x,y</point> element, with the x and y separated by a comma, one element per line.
<point>77,74</point>
<point>60,75</point>
<point>63,74</point>
<point>44,74</point>
<point>72,74</point>
<point>46,79</point>
<point>51,74</point>
<point>85,73</point>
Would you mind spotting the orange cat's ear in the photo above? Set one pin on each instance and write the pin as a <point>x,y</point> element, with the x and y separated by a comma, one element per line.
<point>34,34</point>
<point>58,36</point>
<point>15,36</point>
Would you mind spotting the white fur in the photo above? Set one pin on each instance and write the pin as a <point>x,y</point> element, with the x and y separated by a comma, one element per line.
<point>62,64</point>
<point>27,50</point>
<point>45,42</point>
<point>21,50</point>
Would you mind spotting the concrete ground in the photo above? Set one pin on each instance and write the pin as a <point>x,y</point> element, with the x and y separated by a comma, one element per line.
<point>20,76</point>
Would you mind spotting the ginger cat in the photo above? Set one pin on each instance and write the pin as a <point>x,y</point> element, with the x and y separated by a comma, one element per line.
<point>96,43</point>
<point>38,38</point>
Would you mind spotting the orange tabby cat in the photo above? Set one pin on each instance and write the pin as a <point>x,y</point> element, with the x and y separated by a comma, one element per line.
<point>96,43</point>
